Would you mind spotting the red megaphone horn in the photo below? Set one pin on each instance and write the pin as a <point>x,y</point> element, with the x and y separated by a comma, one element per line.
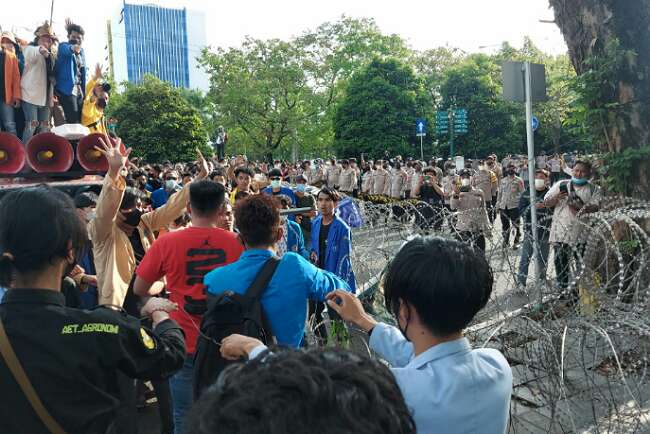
<point>90,158</point>
<point>49,153</point>
<point>12,154</point>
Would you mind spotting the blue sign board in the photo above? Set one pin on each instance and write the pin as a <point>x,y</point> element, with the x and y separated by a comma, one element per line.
<point>421,127</point>
<point>535,123</point>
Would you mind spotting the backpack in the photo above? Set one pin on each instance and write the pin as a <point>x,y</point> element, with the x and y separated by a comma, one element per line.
<point>230,313</point>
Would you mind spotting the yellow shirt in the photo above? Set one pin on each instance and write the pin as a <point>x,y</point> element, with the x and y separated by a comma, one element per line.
<point>90,114</point>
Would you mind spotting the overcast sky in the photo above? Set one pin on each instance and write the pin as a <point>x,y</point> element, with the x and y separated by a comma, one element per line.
<point>466,24</point>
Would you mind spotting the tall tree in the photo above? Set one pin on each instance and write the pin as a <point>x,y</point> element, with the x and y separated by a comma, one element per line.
<point>379,110</point>
<point>277,94</point>
<point>608,44</point>
<point>158,122</point>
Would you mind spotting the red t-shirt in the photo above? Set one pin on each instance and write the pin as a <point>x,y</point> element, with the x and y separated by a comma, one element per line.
<point>184,258</point>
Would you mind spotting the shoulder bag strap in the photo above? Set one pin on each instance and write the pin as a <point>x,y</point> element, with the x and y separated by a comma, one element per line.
<point>259,285</point>
<point>25,385</point>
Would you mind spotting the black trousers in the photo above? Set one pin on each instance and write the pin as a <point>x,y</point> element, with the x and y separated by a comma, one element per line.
<point>71,105</point>
<point>509,218</point>
<point>220,149</point>
<point>492,209</point>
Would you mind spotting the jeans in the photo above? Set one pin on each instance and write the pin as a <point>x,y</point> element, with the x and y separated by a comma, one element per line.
<point>71,105</point>
<point>8,119</point>
<point>36,116</point>
<point>527,254</point>
<point>181,386</point>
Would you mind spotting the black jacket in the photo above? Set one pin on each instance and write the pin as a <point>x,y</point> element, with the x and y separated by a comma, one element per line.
<point>73,357</point>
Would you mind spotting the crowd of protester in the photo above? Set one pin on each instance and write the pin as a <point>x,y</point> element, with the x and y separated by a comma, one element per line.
<point>43,83</point>
<point>175,271</point>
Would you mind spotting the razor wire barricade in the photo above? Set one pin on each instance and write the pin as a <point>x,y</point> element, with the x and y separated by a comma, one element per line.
<point>580,354</point>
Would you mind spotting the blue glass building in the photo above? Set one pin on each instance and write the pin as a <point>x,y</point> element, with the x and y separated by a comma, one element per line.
<point>148,39</point>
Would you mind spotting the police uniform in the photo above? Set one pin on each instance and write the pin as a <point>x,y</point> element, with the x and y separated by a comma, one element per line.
<point>73,357</point>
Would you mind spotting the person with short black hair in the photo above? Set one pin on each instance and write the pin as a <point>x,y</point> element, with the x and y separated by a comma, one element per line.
<point>510,189</point>
<point>571,199</point>
<point>80,352</point>
<point>184,258</point>
<point>429,191</point>
<point>434,287</point>
<point>295,281</point>
<point>325,391</point>
<point>243,176</point>
<point>276,188</point>
<point>304,199</point>
<point>70,71</point>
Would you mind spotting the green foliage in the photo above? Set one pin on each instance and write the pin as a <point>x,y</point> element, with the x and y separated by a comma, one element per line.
<point>274,94</point>
<point>595,92</point>
<point>620,168</point>
<point>158,123</point>
<point>379,111</point>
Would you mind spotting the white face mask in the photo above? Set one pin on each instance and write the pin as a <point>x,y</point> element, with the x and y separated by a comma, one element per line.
<point>540,184</point>
<point>91,215</point>
<point>275,183</point>
<point>170,184</point>
<point>465,182</point>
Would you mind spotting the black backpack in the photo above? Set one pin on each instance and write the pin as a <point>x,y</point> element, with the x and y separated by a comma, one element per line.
<point>230,313</point>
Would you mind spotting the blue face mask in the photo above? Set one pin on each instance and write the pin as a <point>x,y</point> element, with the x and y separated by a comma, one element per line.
<point>300,188</point>
<point>579,181</point>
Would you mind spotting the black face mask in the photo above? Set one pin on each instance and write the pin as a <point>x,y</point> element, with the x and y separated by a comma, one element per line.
<point>74,41</point>
<point>133,218</point>
<point>511,172</point>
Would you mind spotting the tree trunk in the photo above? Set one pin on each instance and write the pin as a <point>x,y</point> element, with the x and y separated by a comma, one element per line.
<point>588,27</point>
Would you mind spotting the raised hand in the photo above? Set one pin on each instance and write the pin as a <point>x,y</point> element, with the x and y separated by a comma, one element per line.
<point>112,152</point>
<point>205,167</point>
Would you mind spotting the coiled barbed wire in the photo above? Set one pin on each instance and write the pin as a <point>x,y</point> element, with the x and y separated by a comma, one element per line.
<point>580,355</point>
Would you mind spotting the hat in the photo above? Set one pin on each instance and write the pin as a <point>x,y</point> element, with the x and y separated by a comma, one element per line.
<point>300,178</point>
<point>45,30</point>
<point>9,36</point>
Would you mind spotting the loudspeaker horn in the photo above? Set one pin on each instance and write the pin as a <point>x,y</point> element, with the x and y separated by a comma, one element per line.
<point>49,153</point>
<point>90,158</point>
<point>12,154</point>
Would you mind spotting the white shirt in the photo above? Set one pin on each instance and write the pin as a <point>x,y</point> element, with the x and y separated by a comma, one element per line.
<point>566,226</point>
<point>33,83</point>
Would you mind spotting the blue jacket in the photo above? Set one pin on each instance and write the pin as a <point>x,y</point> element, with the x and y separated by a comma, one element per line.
<point>159,198</point>
<point>339,249</point>
<point>285,299</point>
<point>283,190</point>
<point>296,240</point>
<point>64,69</point>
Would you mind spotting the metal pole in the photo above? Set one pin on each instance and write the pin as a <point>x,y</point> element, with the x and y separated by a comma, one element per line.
<point>531,167</point>
<point>452,151</point>
<point>51,12</point>
<point>421,149</point>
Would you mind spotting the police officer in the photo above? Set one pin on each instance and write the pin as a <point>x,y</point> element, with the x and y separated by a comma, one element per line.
<point>59,366</point>
<point>510,189</point>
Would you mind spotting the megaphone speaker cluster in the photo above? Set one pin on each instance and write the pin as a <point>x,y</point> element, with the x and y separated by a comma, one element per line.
<point>50,153</point>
